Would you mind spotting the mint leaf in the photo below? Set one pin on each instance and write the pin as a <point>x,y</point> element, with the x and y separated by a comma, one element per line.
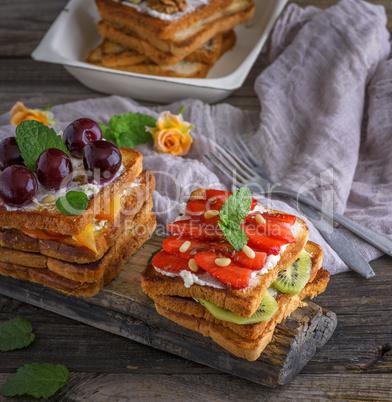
<point>104,130</point>
<point>235,236</point>
<point>15,334</point>
<point>237,207</point>
<point>33,138</point>
<point>129,129</point>
<point>73,203</point>
<point>152,255</point>
<point>40,380</point>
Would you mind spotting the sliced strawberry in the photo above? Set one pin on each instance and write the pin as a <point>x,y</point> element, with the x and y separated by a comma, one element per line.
<point>275,218</point>
<point>169,262</point>
<point>221,196</point>
<point>197,208</point>
<point>173,244</point>
<point>280,231</point>
<point>240,257</point>
<point>195,230</point>
<point>233,275</point>
<point>262,242</point>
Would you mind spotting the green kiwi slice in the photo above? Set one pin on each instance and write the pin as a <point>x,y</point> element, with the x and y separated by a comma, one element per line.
<point>268,307</point>
<point>293,279</point>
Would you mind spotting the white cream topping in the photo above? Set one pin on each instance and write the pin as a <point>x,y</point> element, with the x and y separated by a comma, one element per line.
<point>142,7</point>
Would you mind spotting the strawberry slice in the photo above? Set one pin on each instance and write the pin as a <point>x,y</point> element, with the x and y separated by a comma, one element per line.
<point>173,244</point>
<point>195,230</point>
<point>262,242</point>
<point>169,262</point>
<point>283,219</point>
<point>280,231</point>
<point>197,208</point>
<point>233,275</point>
<point>241,258</point>
<point>221,196</point>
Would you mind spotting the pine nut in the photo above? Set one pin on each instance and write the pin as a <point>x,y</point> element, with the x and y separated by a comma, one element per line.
<point>222,262</point>
<point>193,265</point>
<point>49,198</point>
<point>249,252</point>
<point>184,247</point>
<point>211,213</point>
<point>260,220</point>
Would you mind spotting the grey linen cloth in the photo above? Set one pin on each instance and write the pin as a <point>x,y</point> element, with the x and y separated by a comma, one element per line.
<point>324,128</point>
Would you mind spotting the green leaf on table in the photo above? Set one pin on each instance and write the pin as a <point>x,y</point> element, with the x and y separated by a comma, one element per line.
<point>129,129</point>
<point>73,203</point>
<point>33,138</point>
<point>40,380</point>
<point>15,334</point>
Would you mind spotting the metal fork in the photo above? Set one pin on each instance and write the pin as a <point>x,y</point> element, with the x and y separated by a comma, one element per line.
<point>245,176</point>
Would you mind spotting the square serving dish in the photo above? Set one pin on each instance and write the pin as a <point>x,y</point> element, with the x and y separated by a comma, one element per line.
<point>73,34</point>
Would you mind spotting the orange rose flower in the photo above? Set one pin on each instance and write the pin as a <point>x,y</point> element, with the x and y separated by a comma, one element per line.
<point>20,112</point>
<point>171,134</point>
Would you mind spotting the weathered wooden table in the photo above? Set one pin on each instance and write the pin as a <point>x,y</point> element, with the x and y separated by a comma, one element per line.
<point>356,364</point>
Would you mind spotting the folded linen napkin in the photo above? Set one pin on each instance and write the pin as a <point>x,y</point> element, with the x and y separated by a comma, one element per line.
<point>325,68</point>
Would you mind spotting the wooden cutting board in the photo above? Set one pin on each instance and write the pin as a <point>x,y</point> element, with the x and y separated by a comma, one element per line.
<point>123,309</point>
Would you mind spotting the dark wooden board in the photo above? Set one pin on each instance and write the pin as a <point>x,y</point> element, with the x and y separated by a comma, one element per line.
<point>123,309</point>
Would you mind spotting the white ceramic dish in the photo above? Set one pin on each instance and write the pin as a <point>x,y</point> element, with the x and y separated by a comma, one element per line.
<point>74,34</point>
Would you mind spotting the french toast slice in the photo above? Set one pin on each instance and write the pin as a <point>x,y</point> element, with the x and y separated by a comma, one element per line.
<point>116,55</point>
<point>167,52</point>
<point>190,306</point>
<point>105,232</point>
<point>47,217</point>
<point>237,344</point>
<point>123,251</point>
<point>124,13</point>
<point>79,272</point>
<point>243,302</point>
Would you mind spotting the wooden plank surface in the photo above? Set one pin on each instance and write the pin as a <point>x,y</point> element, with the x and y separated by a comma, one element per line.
<point>356,364</point>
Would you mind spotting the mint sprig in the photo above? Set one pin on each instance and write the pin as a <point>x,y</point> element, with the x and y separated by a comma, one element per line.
<point>73,203</point>
<point>235,209</point>
<point>15,334</point>
<point>128,129</point>
<point>40,380</point>
<point>33,138</point>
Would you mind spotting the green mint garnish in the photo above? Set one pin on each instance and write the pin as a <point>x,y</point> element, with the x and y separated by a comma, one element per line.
<point>15,334</point>
<point>233,212</point>
<point>73,203</point>
<point>33,138</point>
<point>152,255</point>
<point>40,380</point>
<point>129,129</point>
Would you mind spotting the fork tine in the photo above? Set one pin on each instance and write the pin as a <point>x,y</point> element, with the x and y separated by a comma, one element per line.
<point>234,147</point>
<point>220,167</point>
<point>230,167</point>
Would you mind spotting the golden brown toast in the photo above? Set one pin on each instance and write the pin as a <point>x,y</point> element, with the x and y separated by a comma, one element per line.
<point>167,52</point>
<point>116,55</point>
<point>73,251</point>
<point>48,278</point>
<point>243,302</point>
<point>144,24</point>
<point>87,272</point>
<point>47,217</point>
<point>252,331</point>
<point>245,347</point>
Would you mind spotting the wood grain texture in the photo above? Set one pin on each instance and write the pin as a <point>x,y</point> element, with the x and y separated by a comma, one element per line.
<point>354,365</point>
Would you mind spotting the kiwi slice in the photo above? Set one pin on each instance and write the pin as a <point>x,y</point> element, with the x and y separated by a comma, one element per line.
<point>293,279</point>
<point>268,307</point>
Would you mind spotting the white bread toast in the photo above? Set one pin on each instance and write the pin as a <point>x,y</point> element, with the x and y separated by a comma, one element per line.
<point>243,302</point>
<point>105,233</point>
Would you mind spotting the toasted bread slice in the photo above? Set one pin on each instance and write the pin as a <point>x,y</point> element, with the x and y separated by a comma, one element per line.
<point>123,251</point>
<point>252,331</point>
<point>243,302</point>
<point>236,344</point>
<point>105,232</point>
<point>124,13</point>
<point>170,51</point>
<point>88,272</point>
<point>48,217</point>
<point>116,55</point>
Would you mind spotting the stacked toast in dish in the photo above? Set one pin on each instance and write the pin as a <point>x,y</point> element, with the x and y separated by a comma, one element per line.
<point>79,253</point>
<point>202,282</point>
<point>178,38</point>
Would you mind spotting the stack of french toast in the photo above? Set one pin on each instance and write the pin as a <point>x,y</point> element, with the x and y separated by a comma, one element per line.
<point>74,252</point>
<point>235,293</point>
<point>175,38</point>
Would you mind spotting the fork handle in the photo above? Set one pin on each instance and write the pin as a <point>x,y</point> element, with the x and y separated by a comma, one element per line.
<point>378,240</point>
